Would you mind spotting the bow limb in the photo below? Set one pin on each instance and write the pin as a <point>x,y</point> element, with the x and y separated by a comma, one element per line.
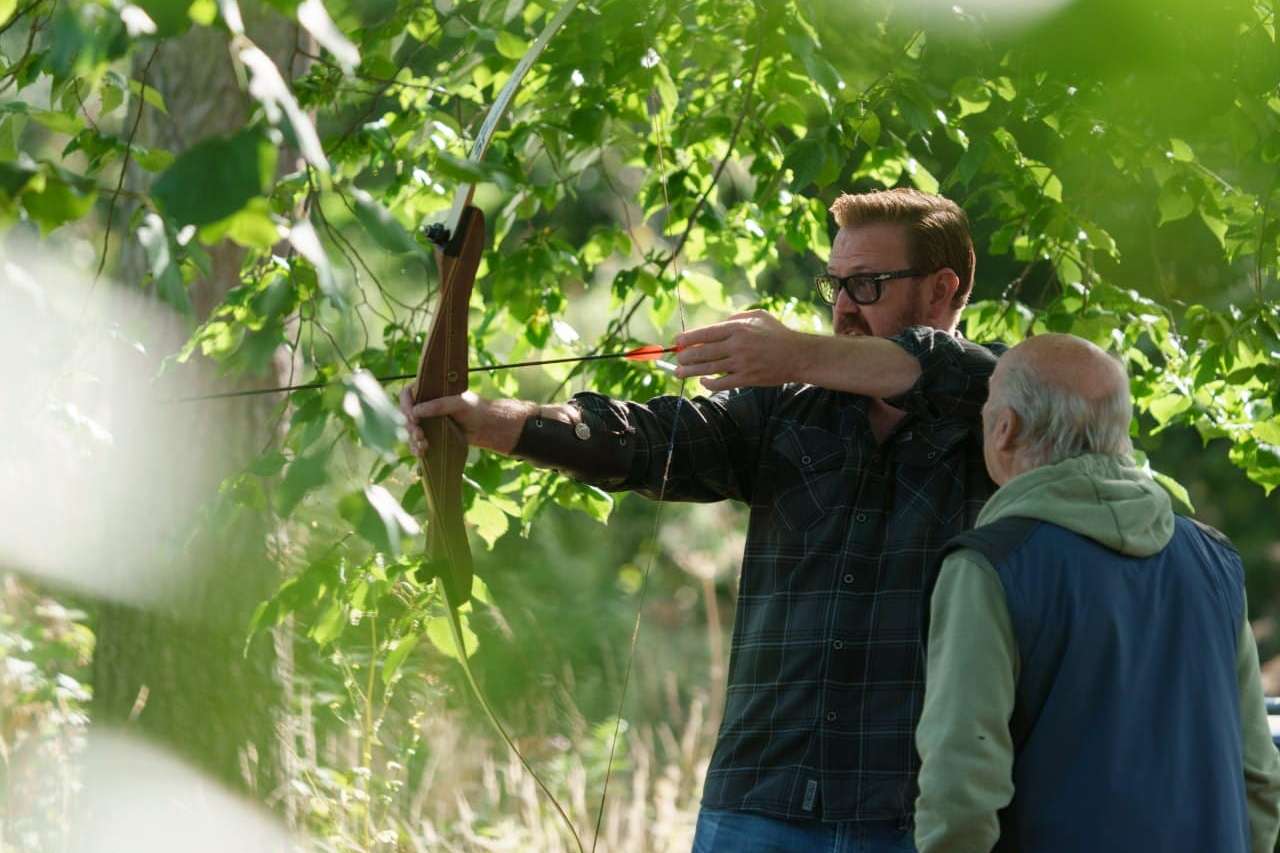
<point>442,371</point>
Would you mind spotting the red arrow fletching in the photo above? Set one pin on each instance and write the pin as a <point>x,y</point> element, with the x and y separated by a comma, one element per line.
<point>650,352</point>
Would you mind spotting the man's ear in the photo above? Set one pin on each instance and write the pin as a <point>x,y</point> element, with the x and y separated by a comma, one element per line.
<point>945,285</point>
<point>1005,435</point>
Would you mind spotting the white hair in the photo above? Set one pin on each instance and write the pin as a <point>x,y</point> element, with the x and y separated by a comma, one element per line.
<point>1058,424</point>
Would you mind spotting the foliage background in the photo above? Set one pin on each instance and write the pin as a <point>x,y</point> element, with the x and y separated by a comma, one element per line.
<point>263,172</point>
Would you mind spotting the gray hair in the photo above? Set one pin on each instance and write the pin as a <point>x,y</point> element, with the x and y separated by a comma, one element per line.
<point>1058,424</point>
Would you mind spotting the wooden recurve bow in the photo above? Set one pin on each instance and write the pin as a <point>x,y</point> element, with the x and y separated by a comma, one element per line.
<point>442,371</point>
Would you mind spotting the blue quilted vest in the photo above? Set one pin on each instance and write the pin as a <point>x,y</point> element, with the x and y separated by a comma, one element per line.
<point>1126,728</point>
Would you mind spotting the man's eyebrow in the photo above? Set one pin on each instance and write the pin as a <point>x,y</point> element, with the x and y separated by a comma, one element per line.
<point>858,268</point>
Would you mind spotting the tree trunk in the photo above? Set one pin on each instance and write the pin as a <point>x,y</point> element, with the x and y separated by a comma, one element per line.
<point>177,673</point>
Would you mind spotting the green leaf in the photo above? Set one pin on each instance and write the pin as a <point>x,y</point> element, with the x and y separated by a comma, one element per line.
<point>805,159</point>
<point>595,502</point>
<point>269,464</point>
<point>59,201</point>
<point>253,227</point>
<point>460,170</point>
<point>489,522</point>
<point>376,418</point>
<point>304,238</point>
<point>510,45</point>
<point>972,95</point>
<point>152,159</point>
<point>203,12</point>
<point>1215,225</point>
<point>697,287</point>
<point>440,633</point>
<point>1169,406</point>
<point>7,8</point>
<point>58,122</point>
<point>883,165</point>
<point>159,249</point>
<point>149,94</point>
<point>1181,151</point>
<point>378,517</point>
<point>868,129</point>
<point>330,625</point>
<point>921,177</point>
<point>1267,432</point>
<point>170,17</point>
<point>14,177</point>
<point>213,179</point>
<point>1176,491</point>
<point>303,475</point>
<point>399,651</point>
<point>1174,203</point>
<point>386,231</point>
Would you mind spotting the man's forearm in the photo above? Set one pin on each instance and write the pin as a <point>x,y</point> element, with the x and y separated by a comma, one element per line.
<point>557,436</point>
<point>873,367</point>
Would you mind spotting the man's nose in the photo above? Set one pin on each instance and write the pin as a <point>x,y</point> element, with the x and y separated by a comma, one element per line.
<point>845,304</point>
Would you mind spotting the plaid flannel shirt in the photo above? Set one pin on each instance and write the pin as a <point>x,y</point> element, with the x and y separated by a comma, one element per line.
<point>825,674</point>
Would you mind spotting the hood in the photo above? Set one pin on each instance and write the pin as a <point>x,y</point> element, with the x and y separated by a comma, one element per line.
<point>1106,498</point>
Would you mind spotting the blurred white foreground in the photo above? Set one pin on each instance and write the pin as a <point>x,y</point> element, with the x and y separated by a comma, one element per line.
<point>138,798</point>
<point>99,478</point>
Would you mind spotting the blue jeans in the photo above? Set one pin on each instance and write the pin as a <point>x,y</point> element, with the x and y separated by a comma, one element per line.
<point>740,832</point>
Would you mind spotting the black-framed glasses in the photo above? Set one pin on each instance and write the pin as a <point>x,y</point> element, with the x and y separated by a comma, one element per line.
<point>863,288</point>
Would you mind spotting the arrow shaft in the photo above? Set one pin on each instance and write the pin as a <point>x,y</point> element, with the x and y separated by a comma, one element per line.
<point>481,368</point>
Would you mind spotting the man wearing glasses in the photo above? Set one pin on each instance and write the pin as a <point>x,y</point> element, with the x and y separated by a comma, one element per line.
<point>860,455</point>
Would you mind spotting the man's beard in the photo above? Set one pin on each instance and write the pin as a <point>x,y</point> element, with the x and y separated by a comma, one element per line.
<point>913,314</point>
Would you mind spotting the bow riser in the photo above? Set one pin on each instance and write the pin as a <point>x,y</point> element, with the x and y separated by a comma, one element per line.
<point>442,372</point>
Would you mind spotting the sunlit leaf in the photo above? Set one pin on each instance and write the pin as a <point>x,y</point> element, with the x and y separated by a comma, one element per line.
<point>396,657</point>
<point>487,520</point>
<point>378,517</point>
<point>440,633</point>
<point>377,419</point>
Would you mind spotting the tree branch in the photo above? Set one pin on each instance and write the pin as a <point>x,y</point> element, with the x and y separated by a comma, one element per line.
<point>124,167</point>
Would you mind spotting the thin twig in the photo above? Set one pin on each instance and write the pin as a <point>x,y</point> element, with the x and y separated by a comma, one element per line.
<point>1262,235</point>
<point>360,120</point>
<point>12,72</point>
<point>615,328</point>
<point>124,168</point>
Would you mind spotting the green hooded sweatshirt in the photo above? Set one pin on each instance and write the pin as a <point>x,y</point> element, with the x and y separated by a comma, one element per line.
<point>963,737</point>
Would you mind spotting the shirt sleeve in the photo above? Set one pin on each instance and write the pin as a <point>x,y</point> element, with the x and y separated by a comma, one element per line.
<point>954,374</point>
<point>712,443</point>
<point>1261,760</point>
<point>966,749</point>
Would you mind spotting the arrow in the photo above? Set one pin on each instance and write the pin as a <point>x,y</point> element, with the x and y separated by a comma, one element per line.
<point>648,352</point>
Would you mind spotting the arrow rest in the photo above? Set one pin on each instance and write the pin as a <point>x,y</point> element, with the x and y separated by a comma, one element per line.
<point>437,233</point>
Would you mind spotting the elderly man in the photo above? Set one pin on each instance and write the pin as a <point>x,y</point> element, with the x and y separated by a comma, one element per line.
<point>1092,679</point>
<point>859,455</point>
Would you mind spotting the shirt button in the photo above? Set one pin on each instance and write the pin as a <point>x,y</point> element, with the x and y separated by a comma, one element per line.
<point>838,645</point>
<point>848,578</point>
<point>860,517</point>
<point>805,460</point>
<point>933,454</point>
<point>831,716</point>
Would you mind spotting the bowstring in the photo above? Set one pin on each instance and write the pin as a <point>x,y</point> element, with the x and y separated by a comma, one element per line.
<point>455,628</point>
<point>655,117</point>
